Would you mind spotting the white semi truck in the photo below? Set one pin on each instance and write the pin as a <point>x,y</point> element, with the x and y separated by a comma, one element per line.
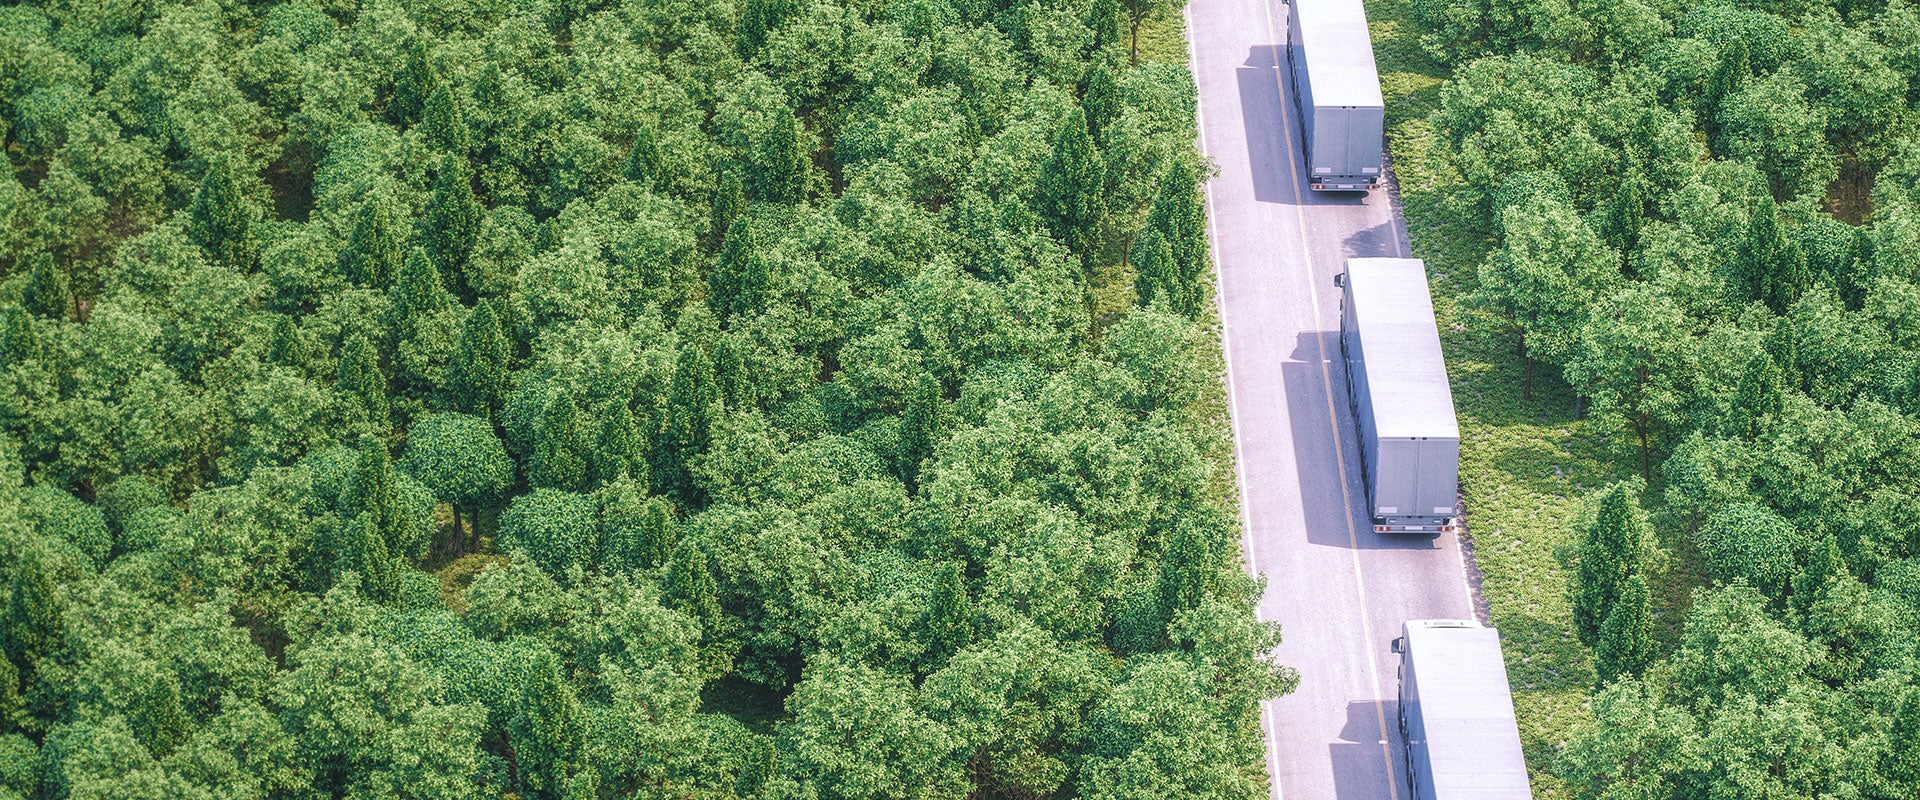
<point>1336,90</point>
<point>1456,713</point>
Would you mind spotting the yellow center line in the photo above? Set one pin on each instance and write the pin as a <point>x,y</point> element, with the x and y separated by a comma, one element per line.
<point>1333,419</point>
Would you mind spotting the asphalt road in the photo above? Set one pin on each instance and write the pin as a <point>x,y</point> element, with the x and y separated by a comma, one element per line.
<point>1339,590</point>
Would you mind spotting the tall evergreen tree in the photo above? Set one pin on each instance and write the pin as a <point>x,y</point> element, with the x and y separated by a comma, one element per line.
<point>1186,571</point>
<point>728,202</point>
<point>1756,399</point>
<point>284,346</point>
<point>777,172</point>
<point>412,85</point>
<point>1105,24</point>
<point>949,625</point>
<point>18,342</point>
<point>443,122</point>
<point>1609,555</point>
<point>1102,100</point>
<point>1625,214</point>
<point>1625,644</point>
<point>1769,264</point>
<point>1156,276</point>
<point>48,293</point>
<point>361,384</point>
<point>1068,193</point>
<point>757,19</point>
<point>730,373</point>
<point>32,627</point>
<point>221,219</point>
<point>921,427</point>
<point>559,447</point>
<point>372,496</point>
<point>367,554</point>
<point>739,282</point>
<point>450,223</point>
<point>621,447</point>
<point>690,589</point>
<point>373,252</point>
<point>644,164</point>
<point>1179,213</point>
<point>693,401</point>
<point>417,292</point>
<point>477,379</point>
<point>549,732</point>
<point>1730,74</point>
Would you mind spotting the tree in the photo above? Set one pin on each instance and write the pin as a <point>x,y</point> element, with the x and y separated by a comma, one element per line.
<point>949,625</point>
<point>560,456</point>
<point>1138,12</point>
<point>366,554</point>
<point>1634,359</point>
<point>221,219</point>
<point>1187,571</point>
<point>620,448</point>
<point>638,531</point>
<point>693,402</point>
<point>361,384</point>
<point>1068,191</point>
<point>689,588</point>
<point>1180,216</point>
<point>47,293</point>
<point>1156,276</point>
<point>1769,265</point>
<point>740,283</point>
<point>1543,281</point>
<point>1610,554</point>
<point>726,204</point>
<point>450,224</point>
<point>444,124</point>
<point>921,427</point>
<point>477,378</point>
<point>557,530</point>
<point>757,19</point>
<point>460,460</point>
<point>412,85</point>
<point>550,730</point>
<point>374,252</point>
<point>1757,399</point>
<point>777,169</point>
<point>285,347</point>
<point>1102,100</point>
<point>1625,640</point>
<point>644,165</point>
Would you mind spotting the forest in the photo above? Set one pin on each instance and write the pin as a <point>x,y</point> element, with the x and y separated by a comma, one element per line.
<point>1698,225</point>
<point>784,399</point>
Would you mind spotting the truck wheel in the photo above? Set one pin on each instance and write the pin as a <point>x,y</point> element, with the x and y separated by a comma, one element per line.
<point>1403,722</point>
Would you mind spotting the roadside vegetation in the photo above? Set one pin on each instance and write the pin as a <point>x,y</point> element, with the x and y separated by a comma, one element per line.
<point>769,399</point>
<point>1673,250</point>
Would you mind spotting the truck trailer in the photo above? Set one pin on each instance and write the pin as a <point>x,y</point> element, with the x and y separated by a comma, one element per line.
<point>1336,90</point>
<point>1397,387</point>
<point>1456,713</point>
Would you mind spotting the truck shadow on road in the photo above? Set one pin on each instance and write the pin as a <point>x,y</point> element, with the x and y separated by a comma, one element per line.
<point>1272,125</point>
<point>1379,241</point>
<point>1360,768</point>
<point>1326,451</point>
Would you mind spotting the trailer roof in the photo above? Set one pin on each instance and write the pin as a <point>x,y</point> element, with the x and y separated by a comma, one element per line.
<point>1339,53</point>
<point>1406,371</point>
<point>1467,708</point>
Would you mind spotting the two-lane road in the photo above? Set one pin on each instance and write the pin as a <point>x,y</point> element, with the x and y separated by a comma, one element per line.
<point>1339,590</point>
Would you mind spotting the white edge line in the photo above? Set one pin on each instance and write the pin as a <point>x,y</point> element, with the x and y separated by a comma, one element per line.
<point>1233,394</point>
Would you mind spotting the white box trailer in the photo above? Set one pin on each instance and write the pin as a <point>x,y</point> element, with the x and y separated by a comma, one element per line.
<point>1336,89</point>
<point>1456,713</point>
<point>1401,400</point>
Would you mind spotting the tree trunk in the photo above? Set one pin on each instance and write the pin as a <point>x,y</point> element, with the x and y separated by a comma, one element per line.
<point>1133,40</point>
<point>1646,463</point>
<point>457,538</point>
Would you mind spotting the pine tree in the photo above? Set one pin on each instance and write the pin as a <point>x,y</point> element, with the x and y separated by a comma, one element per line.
<point>31,621</point>
<point>1186,572</point>
<point>692,403</point>
<point>1824,564</point>
<point>1155,275</point>
<point>920,428</point>
<point>477,378</point>
<point>412,86</point>
<point>417,291</point>
<point>1609,555</point>
<point>1757,399</point>
<point>1105,24</point>
<point>644,165</point>
<point>778,170</point>
<point>373,251</point>
<point>739,282</point>
<point>451,223</point>
<point>689,588</point>
<point>549,730</point>
<point>757,19</point>
<point>1626,637</point>
<point>1101,100</point>
<point>1730,75</point>
<point>48,293</point>
<point>949,615</point>
<point>284,346</point>
<point>443,122</point>
<point>373,497</point>
<point>729,201</point>
<point>221,219</point>
<point>367,554</point>
<point>361,384</point>
<point>1068,192</point>
<point>1625,214</point>
<point>18,343</point>
<point>658,534</point>
<point>620,451</point>
<point>730,374</point>
<point>1769,264</point>
<point>559,448</point>
<point>1179,213</point>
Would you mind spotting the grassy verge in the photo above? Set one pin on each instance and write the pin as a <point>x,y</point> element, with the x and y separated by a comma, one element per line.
<point>1526,462</point>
